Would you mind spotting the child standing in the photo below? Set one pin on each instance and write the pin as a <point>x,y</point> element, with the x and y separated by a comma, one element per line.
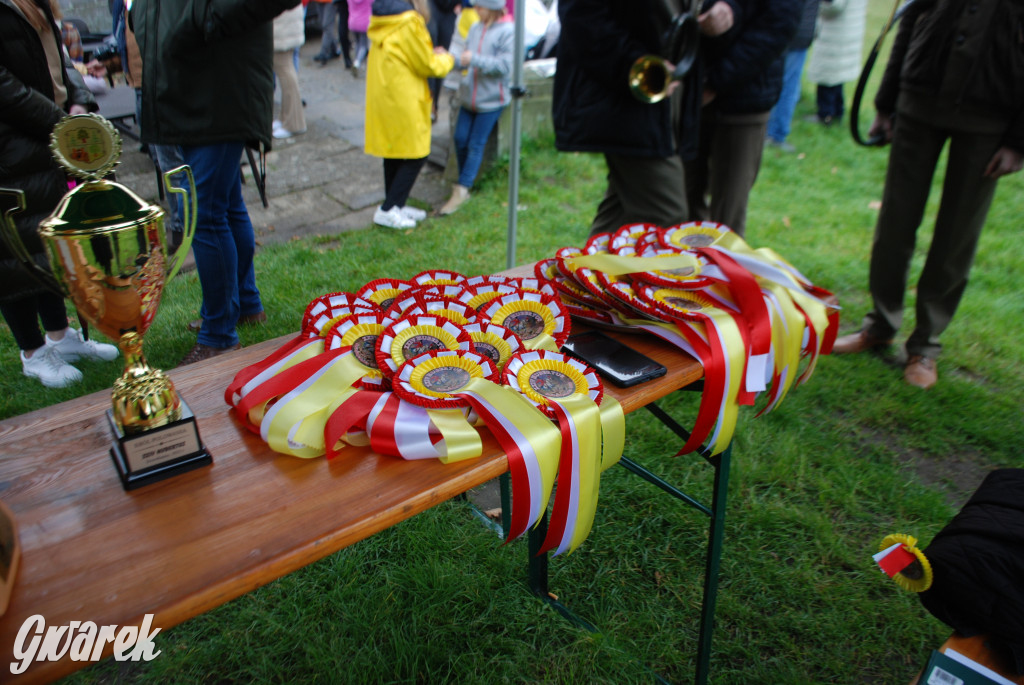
<point>483,92</point>
<point>398,101</point>
<point>358,22</point>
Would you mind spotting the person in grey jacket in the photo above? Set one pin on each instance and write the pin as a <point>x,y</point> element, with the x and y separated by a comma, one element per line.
<point>483,92</point>
<point>956,74</point>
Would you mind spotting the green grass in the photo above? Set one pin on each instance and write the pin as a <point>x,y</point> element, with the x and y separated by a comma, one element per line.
<point>850,456</point>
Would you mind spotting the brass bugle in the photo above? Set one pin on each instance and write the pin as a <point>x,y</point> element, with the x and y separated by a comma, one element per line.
<point>649,78</point>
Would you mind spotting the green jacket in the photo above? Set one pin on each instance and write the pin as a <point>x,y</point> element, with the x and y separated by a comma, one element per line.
<point>207,74</point>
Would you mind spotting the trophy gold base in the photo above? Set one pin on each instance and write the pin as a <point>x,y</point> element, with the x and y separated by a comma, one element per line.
<point>157,454</point>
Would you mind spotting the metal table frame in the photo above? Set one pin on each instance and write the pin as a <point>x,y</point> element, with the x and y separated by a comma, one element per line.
<point>537,573</point>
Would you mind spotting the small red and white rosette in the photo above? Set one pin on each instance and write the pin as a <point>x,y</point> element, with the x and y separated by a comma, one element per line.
<point>539,320</point>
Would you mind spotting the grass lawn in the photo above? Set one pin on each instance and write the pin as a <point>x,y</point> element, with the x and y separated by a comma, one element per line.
<point>850,456</point>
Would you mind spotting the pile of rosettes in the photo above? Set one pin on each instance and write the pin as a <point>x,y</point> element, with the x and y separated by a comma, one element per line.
<point>748,316</point>
<point>412,368</point>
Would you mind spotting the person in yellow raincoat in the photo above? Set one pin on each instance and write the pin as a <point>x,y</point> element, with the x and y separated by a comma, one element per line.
<point>398,101</point>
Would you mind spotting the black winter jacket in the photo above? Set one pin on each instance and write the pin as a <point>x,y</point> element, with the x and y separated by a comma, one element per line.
<point>744,66</point>
<point>807,28</point>
<point>592,107</point>
<point>963,56</point>
<point>27,117</point>
<point>207,72</point>
<point>978,563</point>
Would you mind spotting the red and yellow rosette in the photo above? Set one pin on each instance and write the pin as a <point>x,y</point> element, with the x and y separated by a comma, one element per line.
<point>626,236</point>
<point>533,285</point>
<point>539,320</point>
<point>438,277</point>
<point>323,311</point>
<point>690,277</point>
<point>409,338</point>
<point>317,317</point>
<point>360,333</point>
<point>592,429</point>
<point>446,308</point>
<point>429,419</point>
<point>383,291</point>
<point>483,293</point>
<point>908,566</point>
<point>598,243</point>
<point>693,234</point>
<point>494,342</point>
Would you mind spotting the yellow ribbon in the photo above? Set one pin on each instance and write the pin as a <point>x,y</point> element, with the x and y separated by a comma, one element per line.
<point>461,441</point>
<point>310,406</point>
<point>586,417</point>
<point>613,432</point>
<point>618,266</point>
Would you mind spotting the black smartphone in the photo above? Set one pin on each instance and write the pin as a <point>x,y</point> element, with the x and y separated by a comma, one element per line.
<point>619,363</point>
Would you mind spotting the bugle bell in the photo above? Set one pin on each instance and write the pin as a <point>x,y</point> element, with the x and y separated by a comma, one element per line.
<point>651,75</point>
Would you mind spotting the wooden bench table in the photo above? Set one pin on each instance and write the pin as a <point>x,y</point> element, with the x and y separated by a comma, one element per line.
<point>175,549</point>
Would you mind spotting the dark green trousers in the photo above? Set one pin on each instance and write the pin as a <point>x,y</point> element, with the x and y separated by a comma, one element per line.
<point>641,190</point>
<point>966,198</point>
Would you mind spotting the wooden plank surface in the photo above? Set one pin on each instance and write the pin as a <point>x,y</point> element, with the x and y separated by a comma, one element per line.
<point>93,552</point>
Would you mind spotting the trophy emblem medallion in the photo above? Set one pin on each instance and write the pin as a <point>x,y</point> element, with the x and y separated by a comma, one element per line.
<point>107,251</point>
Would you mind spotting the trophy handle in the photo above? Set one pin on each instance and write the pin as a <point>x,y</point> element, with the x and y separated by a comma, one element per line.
<point>188,204</point>
<point>10,237</point>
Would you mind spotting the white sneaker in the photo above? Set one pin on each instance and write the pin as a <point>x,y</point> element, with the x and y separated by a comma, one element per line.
<point>393,218</point>
<point>71,347</point>
<point>414,213</point>
<point>52,371</point>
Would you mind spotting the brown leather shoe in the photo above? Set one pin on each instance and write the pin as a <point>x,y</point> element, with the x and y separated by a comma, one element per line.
<point>861,341</point>
<point>920,372</point>
<point>245,320</point>
<point>201,352</point>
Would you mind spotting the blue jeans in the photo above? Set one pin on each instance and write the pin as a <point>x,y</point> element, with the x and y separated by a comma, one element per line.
<point>224,242</point>
<point>782,113</point>
<point>471,133</point>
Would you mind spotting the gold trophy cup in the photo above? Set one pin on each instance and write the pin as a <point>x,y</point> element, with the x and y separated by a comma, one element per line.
<point>108,254</point>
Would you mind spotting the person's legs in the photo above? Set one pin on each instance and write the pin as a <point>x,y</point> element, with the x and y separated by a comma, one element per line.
<point>460,138</point>
<point>391,167</point>
<point>405,174</point>
<point>293,119</point>
<point>641,190</point>
<point>341,9</point>
<point>736,150</point>
<point>830,103</point>
<point>480,127</point>
<point>329,32</point>
<point>782,114</point>
<point>168,158</point>
<point>39,360</point>
<point>216,170</point>
<point>22,317</point>
<point>249,302</point>
<point>362,49</point>
<point>966,197</point>
<point>915,150</point>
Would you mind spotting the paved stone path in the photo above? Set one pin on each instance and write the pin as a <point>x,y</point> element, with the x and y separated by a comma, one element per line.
<point>320,182</point>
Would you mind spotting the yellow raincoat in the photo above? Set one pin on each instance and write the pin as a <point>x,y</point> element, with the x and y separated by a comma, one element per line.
<point>401,59</point>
